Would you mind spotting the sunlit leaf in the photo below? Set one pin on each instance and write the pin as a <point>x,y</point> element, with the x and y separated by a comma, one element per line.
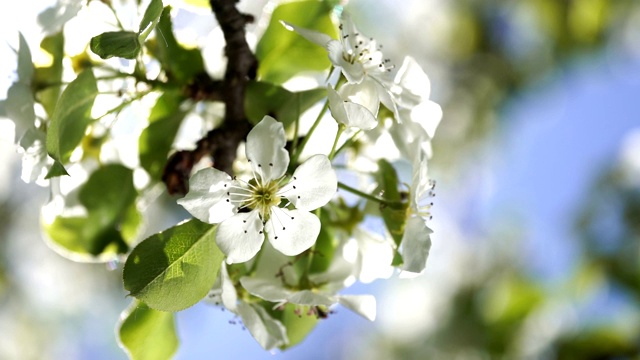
<point>286,106</point>
<point>298,326</point>
<point>180,64</point>
<point>283,53</point>
<point>174,269</point>
<point>122,44</point>
<point>47,78</point>
<point>150,19</point>
<point>25,63</point>
<point>156,140</point>
<point>53,18</point>
<point>147,334</point>
<point>109,198</point>
<point>71,116</point>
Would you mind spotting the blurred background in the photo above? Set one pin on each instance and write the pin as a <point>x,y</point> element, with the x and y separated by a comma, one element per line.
<point>536,244</point>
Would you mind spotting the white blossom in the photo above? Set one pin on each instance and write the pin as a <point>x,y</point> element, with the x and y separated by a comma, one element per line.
<point>268,332</point>
<point>215,197</point>
<point>355,105</point>
<point>416,241</point>
<point>357,55</point>
<point>323,293</point>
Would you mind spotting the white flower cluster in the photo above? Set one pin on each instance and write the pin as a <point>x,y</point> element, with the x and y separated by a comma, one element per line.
<point>276,204</point>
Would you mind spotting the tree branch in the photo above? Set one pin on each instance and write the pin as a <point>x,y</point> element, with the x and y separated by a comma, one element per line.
<point>221,143</point>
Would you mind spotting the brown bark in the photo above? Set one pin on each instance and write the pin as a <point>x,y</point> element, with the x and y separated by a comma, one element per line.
<point>221,143</point>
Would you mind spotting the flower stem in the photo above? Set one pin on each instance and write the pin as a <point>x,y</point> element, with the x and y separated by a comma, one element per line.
<point>348,142</point>
<point>313,128</point>
<point>296,131</point>
<point>391,204</point>
<point>341,128</point>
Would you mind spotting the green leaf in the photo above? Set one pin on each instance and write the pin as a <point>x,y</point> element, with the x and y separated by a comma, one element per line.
<point>298,103</point>
<point>44,76</point>
<point>263,98</point>
<point>150,19</point>
<point>283,53</point>
<point>147,334</point>
<point>174,269</point>
<point>71,116</point>
<point>180,64</point>
<point>112,219</point>
<point>394,218</point>
<point>156,140</point>
<point>122,44</point>
<point>325,246</point>
<point>298,327</point>
<point>25,63</point>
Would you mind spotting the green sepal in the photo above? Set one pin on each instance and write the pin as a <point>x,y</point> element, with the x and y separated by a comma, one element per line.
<point>394,217</point>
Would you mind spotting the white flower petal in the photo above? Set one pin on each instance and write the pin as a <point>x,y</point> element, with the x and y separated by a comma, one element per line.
<point>313,184</point>
<point>428,114</point>
<point>229,295</point>
<point>292,231</point>
<point>315,37</point>
<point>34,157</point>
<point>416,243</point>
<point>360,117</point>
<point>365,94</point>
<point>19,108</point>
<point>336,106</point>
<point>267,289</point>
<point>240,236</point>
<point>207,196</point>
<point>353,72</point>
<point>412,84</point>
<point>265,149</point>
<point>375,255</point>
<point>349,113</point>
<point>268,332</point>
<point>310,298</point>
<point>363,305</point>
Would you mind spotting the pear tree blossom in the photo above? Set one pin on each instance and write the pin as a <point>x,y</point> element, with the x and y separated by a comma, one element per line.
<point>416,241</point>
<point>215,197</point>
<point>323,294</point>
